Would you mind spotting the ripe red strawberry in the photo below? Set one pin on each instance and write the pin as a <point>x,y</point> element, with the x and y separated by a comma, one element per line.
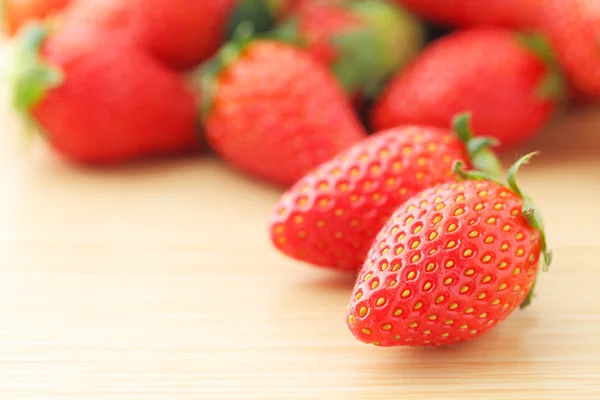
<point>469,13</point>
<point>181,33</point>
<point>450,264</point>
<point>511,91</point>
<point>18,12</point>
<point>363,42</point>
<point>331,216</point>
<point>100,100</point>
<point>274,112</point>
<point>574,29</point>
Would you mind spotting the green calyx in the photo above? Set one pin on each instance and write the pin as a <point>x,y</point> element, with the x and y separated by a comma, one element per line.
<point>530,210</point>
<point>288,32</point>
<point>260,14</point>
<point>207,75</point>
<point>478,148</point>
<point>553,86</point>
<point>370,53</point>
<point>31,77</point>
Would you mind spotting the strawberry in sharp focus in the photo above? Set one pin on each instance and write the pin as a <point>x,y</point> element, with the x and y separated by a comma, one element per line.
<point>574,29</point>
<point>450,264</point>
<point>363,41</point>
<point>99,100</point>
<point>18,12</point>
<point>331,216</point>
<point>470,13</point>
<point>273,111</point>
<point>181,33</point>
<point>509,82</point>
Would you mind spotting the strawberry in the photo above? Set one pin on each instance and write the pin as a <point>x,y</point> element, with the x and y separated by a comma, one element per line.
<point>331,216</point>
<point>450,264</point>
<point>99,100</point>
<point>18,12</point>
<point>363,41</point>
<point>470,13</point>
<point>181,33</point>
<point>274,112</point>
<point>513,96</point>
<point>574,29</point>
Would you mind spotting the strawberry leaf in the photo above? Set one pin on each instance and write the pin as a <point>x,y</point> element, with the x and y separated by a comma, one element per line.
<point>31,77</point>
<point>512,173</point>
<point>529,297</point>
<point>482,158</point>
<point>553,86</point>
<point>207,76</point>
<point>287,32</point>
<point>471,175</point>
<point>530,210</point>
<point>369,54</point>
<point>538,45</point>
<point>532,215</point>
<point>260,14</point>
<point>356,66</point>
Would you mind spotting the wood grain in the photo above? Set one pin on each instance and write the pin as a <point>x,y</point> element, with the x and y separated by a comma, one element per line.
<point>157,281</point>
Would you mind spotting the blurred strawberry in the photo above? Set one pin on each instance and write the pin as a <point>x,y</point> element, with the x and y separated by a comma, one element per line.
<point>100,100</point>
<point>274,112</point>
<point>18,12</point>
<point>181,33</point>
<point>363,41</point>
<point>574,29</point>
<point>509,82</point>
<point>471,13</point>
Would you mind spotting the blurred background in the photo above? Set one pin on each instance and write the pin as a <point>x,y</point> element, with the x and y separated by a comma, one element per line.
<point>145,144</point>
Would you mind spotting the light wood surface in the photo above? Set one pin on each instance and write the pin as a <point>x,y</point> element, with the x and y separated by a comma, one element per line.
<point>157,282</point>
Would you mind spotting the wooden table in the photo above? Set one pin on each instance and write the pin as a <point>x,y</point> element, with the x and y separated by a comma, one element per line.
<point>158,281</point>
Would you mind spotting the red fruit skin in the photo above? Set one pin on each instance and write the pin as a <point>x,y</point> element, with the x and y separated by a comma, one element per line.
<point>111,106</point>
<point>450,264</point>
<point>18,12</point>
<point>476,13</point>
<point>319,22</point>
<point>574,28</point>
<point>331,216</point>
<point>181,33</point>
<point>485,71</point>
<point>277,113</point>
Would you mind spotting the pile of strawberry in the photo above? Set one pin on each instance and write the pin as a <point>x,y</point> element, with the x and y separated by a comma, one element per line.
<point>342,102</point>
